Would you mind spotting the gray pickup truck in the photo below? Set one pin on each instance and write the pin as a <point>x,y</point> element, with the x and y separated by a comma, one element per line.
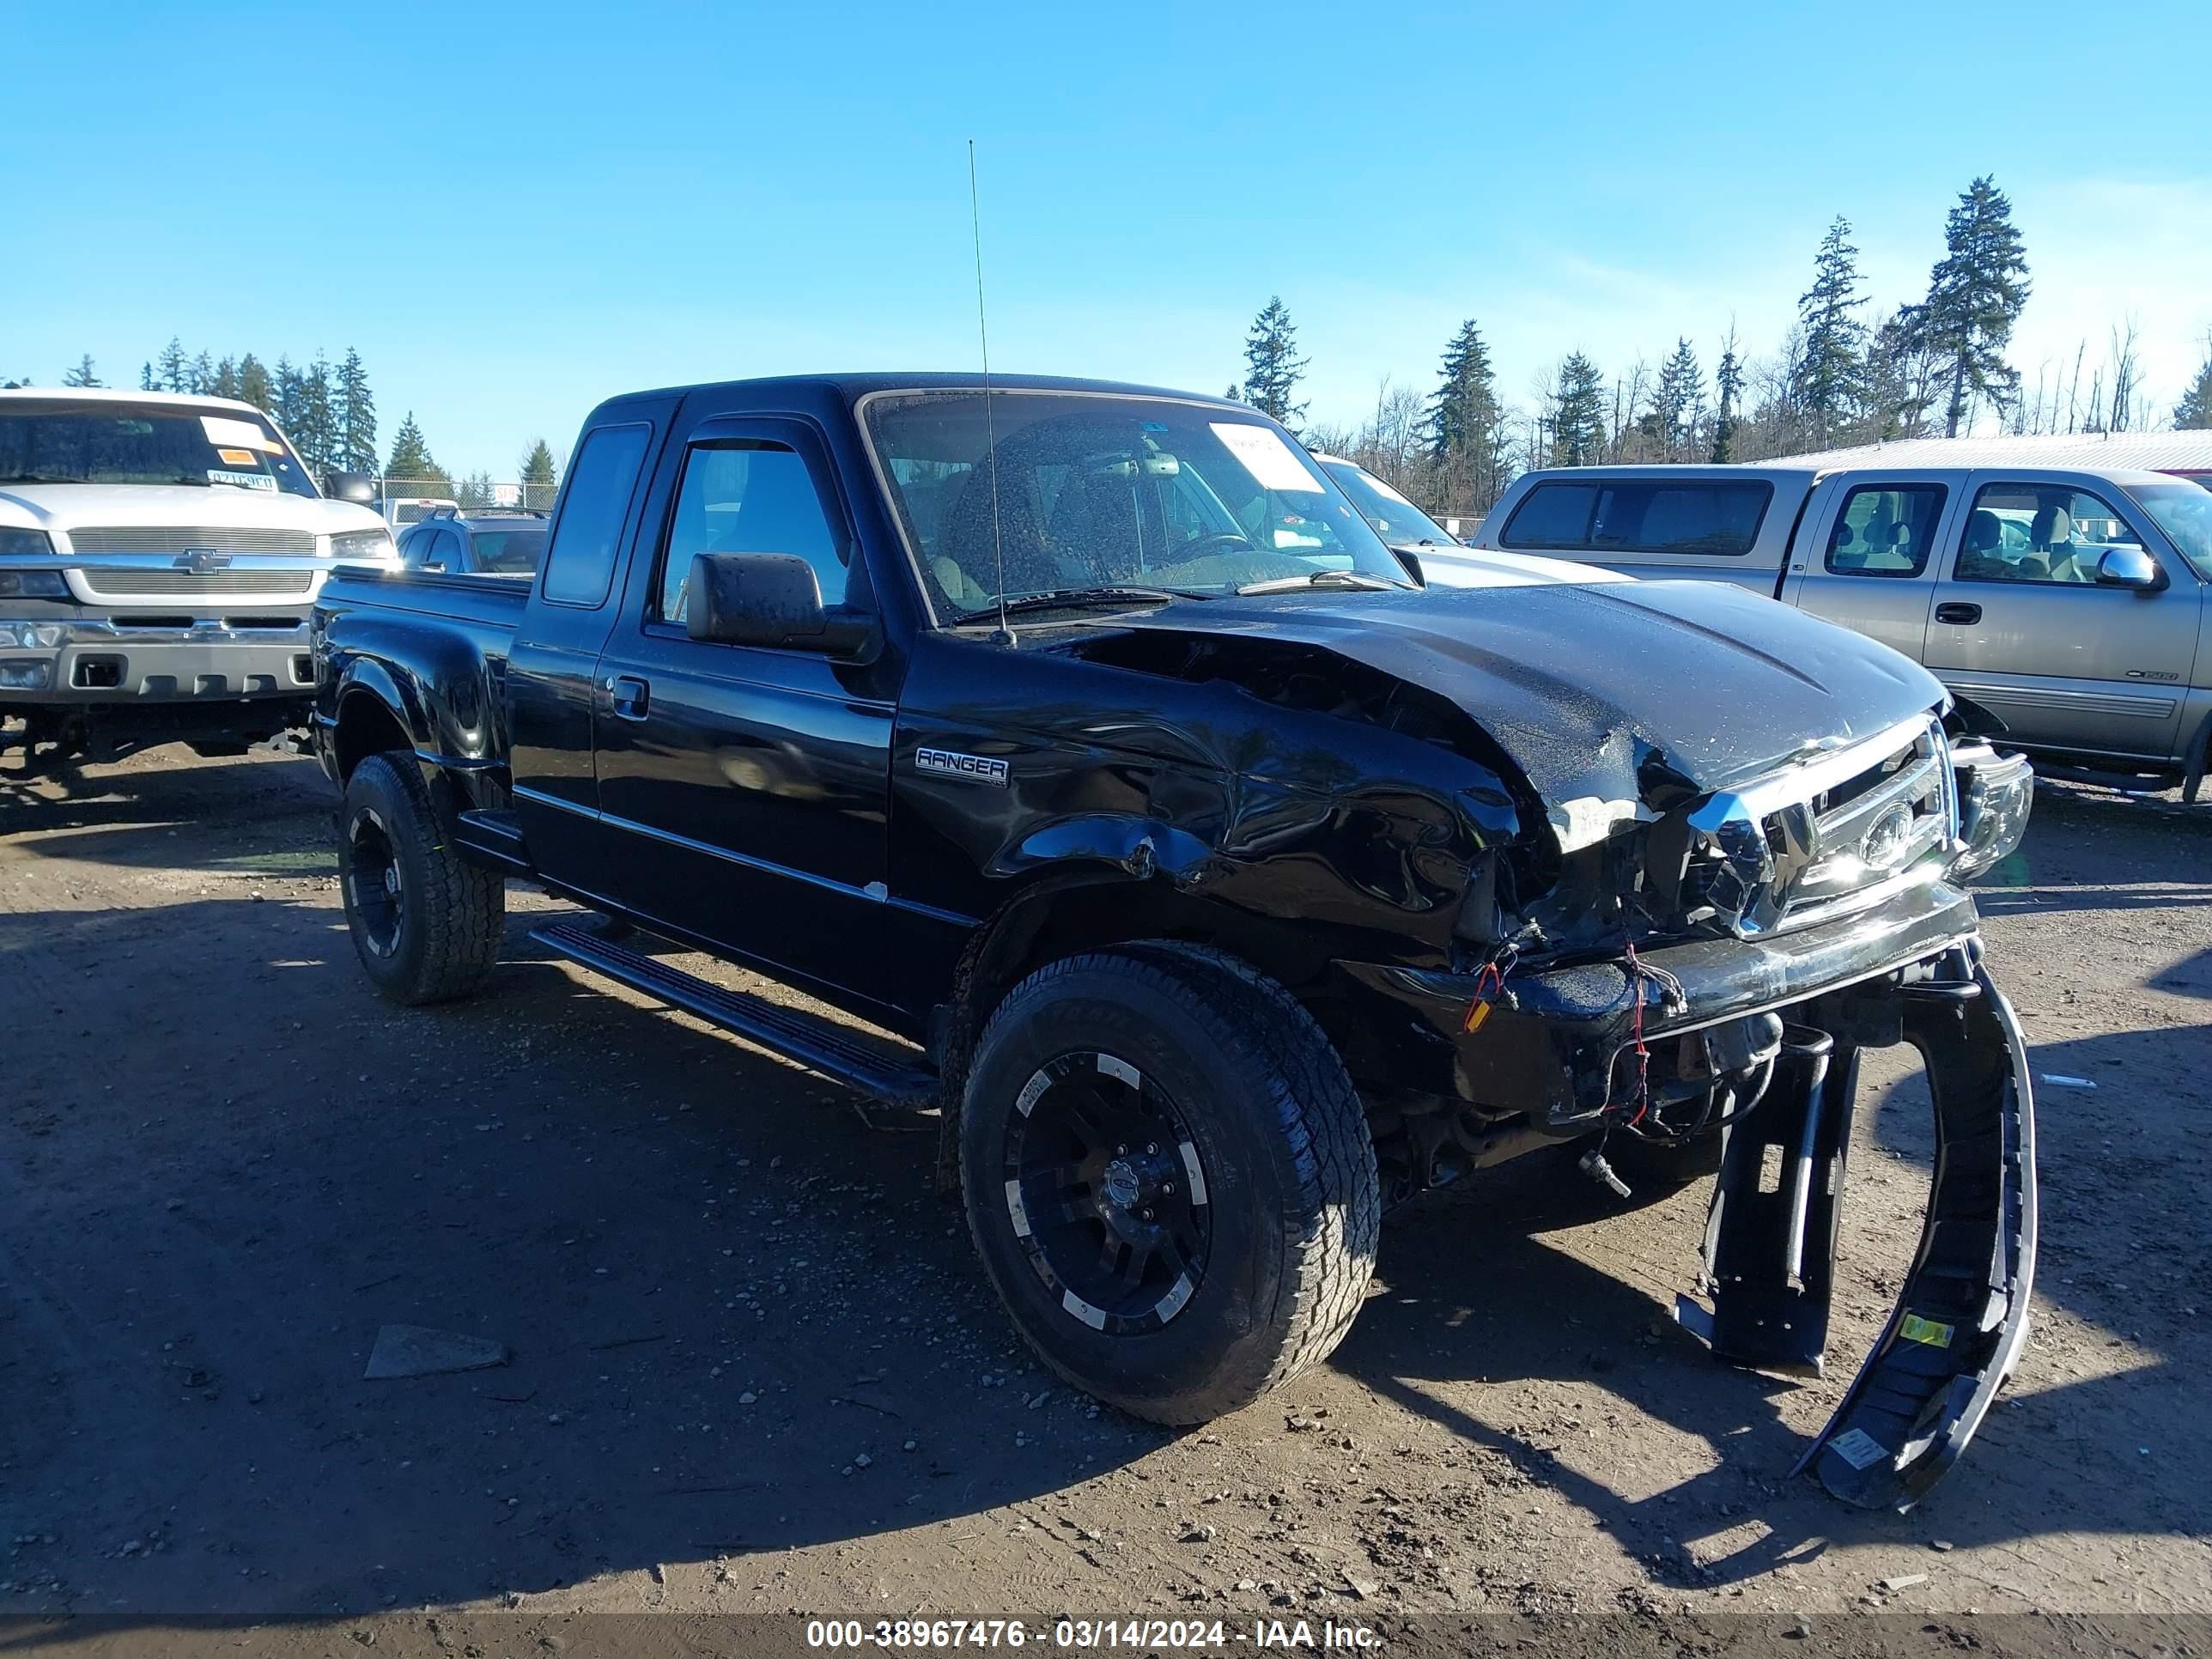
<point>2068,602</point>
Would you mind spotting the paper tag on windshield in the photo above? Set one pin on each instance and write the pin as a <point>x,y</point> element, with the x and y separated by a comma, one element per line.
<point>243,480</point>
<point>236,435</point>
<point>1265,456</point>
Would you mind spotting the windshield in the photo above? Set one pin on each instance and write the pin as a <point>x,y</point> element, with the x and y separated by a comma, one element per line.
<point>82,440</point>
<point>1396,520</point>
<point>508,552</point>
<point>2184,511</point>
<point>1107,491</point>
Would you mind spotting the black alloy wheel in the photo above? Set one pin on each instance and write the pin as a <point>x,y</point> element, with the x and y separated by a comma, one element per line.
<point>1107,1192</point>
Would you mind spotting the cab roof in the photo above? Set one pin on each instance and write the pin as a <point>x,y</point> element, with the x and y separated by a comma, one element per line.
<point>115,394</point>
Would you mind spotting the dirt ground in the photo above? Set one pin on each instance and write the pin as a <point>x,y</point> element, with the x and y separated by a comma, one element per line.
<point>755,1370</point>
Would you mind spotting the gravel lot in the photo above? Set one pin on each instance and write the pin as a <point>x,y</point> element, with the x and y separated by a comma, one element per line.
<point>755,1370</point>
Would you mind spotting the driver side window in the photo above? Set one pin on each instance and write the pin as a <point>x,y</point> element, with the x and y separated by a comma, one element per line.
<point>2044,533</point>
<point>747,495</point>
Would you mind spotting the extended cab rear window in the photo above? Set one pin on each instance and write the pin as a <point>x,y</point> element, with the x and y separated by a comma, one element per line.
<point>1640,516</point>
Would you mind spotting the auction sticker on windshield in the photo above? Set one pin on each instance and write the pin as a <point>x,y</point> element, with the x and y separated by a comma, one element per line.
<point>236,435</point>
<point>1265,456</point>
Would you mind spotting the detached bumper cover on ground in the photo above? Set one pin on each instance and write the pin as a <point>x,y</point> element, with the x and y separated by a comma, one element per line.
<point>1962,1317</point>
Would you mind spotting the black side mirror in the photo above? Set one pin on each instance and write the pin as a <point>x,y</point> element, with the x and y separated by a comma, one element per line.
<point>768,600</point>
<point>1412,561</point>
<point>359,488</point>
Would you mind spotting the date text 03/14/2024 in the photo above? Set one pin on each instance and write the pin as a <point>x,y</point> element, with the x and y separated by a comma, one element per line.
<point>1090,1636</point>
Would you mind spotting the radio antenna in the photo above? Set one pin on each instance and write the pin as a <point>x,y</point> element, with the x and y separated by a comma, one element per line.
<point>1006,634</point>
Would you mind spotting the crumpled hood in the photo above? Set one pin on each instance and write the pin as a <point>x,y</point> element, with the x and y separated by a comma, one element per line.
<point>1604,693</point>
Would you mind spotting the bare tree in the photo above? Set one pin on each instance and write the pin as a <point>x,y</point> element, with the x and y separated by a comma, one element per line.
<point>2127,377</point>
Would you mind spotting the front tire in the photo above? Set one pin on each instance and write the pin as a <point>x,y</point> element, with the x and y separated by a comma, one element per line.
<point>1169,1179</point>
<point>425,923</point>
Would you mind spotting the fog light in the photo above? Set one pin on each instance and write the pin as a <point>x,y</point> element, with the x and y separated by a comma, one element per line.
<point>23,676</point>
<point>31,636</point>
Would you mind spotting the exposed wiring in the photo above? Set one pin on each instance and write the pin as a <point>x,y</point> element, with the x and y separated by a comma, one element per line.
<point>1671,998</point>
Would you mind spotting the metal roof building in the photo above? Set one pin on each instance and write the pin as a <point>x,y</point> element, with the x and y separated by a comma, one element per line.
<point>2186,453</point>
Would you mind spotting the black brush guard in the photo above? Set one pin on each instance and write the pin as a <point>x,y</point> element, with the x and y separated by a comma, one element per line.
<point>1962,1316</point>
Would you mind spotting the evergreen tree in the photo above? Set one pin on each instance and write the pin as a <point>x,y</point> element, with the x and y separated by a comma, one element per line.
<point>1828,379</point>
<point>1727,392</point>
<point>1578,413</point>
<point>318,416</point>
<point>203,373</point>
<point>1235,394</point>
<point>410,461</point>
<point>1272,367</point>
<point>81,375</point>
<point>226,379</point>
<point>254,385</point>
<point>289,395</point>
<point>146,382</point>
<point>175,369</point>
<point>1464,432</point>
<point>1681,401</point>
<point>2194,412</point>
<point>1975,294</point>
<point>1900,380</point>
<point>355,416</point>
<point>538,476</point>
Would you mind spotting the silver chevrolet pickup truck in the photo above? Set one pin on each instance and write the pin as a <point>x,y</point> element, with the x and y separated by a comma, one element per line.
<point>159,555</point>
<point>2071,601</point>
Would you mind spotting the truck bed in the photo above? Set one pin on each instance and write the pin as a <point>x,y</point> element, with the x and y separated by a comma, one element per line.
<point>492,601</point>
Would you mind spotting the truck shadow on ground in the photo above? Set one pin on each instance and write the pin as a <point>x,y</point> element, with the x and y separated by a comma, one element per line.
<point>739,1320</point>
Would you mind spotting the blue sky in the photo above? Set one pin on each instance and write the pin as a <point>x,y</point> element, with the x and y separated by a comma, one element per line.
<point>514,210</point>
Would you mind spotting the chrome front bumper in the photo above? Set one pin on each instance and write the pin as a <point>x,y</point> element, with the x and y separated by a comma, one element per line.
<point>87,660</point>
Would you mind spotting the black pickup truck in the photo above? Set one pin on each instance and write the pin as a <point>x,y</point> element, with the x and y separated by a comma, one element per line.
<point>1218,884</point>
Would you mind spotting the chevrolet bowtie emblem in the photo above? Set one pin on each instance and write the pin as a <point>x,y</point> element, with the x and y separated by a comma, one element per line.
<point>200,561</point>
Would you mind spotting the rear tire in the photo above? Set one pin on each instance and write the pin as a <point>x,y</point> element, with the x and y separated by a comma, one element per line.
<point>1169,1179</point>
<point>425,924</point>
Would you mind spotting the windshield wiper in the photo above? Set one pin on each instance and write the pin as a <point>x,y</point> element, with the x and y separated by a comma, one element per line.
<point>1071,598</point>
<point>36,478</point>
<point>1352,578</point>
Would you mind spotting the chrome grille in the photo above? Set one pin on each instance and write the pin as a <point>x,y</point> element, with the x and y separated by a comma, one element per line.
<point>141,582</point>
<point>1827,837</point>
<point>173,539</point>
<point>1873,828</point>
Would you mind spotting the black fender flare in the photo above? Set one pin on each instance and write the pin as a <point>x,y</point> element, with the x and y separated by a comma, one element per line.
<point>366,677</point>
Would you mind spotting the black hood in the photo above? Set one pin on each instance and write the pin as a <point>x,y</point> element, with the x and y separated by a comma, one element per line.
<point>1597,690</point>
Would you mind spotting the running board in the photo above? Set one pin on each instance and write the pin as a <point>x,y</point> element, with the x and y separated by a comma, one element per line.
<point>812,1041</point>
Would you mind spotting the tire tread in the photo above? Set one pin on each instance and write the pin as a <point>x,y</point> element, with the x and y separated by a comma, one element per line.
<point>1333,1216</point>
